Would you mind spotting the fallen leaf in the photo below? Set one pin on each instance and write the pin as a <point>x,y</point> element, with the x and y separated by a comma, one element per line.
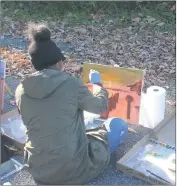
<point>173,8</point>
<point>150,19</point>
<point>160,24</point>
<point>137,19</point>
<point>81,30</point>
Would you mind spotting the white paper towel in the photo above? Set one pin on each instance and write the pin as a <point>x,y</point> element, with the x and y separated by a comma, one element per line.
<point>90,117</point>
<point>152,109</point>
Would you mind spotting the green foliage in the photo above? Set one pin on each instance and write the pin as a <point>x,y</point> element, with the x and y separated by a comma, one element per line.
<point>79,12</point>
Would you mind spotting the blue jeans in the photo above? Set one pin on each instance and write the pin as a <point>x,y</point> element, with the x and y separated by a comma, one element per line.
<point>117,131</point>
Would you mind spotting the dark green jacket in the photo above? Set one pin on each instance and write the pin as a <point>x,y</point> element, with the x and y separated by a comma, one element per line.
<point>58,149</point>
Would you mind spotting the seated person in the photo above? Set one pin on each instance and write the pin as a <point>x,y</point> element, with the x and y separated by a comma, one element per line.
<point>58,148</point>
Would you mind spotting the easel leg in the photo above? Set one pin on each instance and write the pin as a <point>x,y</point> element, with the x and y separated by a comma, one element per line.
<point>8,90</point>
<point>2,81</point>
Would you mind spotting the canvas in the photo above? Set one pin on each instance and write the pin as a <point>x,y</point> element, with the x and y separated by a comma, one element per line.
<point>124,86</point>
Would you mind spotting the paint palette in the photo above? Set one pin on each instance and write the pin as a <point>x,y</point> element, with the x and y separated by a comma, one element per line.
<point>153,159</point>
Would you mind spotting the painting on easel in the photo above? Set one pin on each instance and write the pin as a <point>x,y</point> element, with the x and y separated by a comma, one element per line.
<point>124,86</point>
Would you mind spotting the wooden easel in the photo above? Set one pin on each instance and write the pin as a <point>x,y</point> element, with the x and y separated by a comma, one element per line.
<point>3,85</point>
<point>2,82</point>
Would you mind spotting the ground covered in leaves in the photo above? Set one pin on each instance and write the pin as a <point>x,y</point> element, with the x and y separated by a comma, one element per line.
<point>19,64</point>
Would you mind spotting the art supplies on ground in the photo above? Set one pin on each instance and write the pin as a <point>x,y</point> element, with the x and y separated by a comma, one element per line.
<point>124,86</point>
<point>10,167</point>
<point>151,158</point>
<point>13,127</point>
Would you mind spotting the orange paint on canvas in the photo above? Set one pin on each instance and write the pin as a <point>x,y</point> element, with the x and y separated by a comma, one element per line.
<point>124,93</point>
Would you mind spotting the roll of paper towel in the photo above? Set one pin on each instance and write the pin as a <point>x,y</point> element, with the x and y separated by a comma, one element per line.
<point>152,109</point>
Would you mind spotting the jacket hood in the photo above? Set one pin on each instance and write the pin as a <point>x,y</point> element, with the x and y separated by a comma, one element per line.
<point>41,84</point>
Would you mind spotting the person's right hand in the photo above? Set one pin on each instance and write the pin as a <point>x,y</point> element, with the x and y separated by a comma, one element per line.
<point>94,77</point>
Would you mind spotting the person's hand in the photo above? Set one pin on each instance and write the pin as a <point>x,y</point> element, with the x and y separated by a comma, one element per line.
<point>94,77</point>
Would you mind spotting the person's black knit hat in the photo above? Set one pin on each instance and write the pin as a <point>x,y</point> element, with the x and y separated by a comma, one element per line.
<point>42,50</point>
